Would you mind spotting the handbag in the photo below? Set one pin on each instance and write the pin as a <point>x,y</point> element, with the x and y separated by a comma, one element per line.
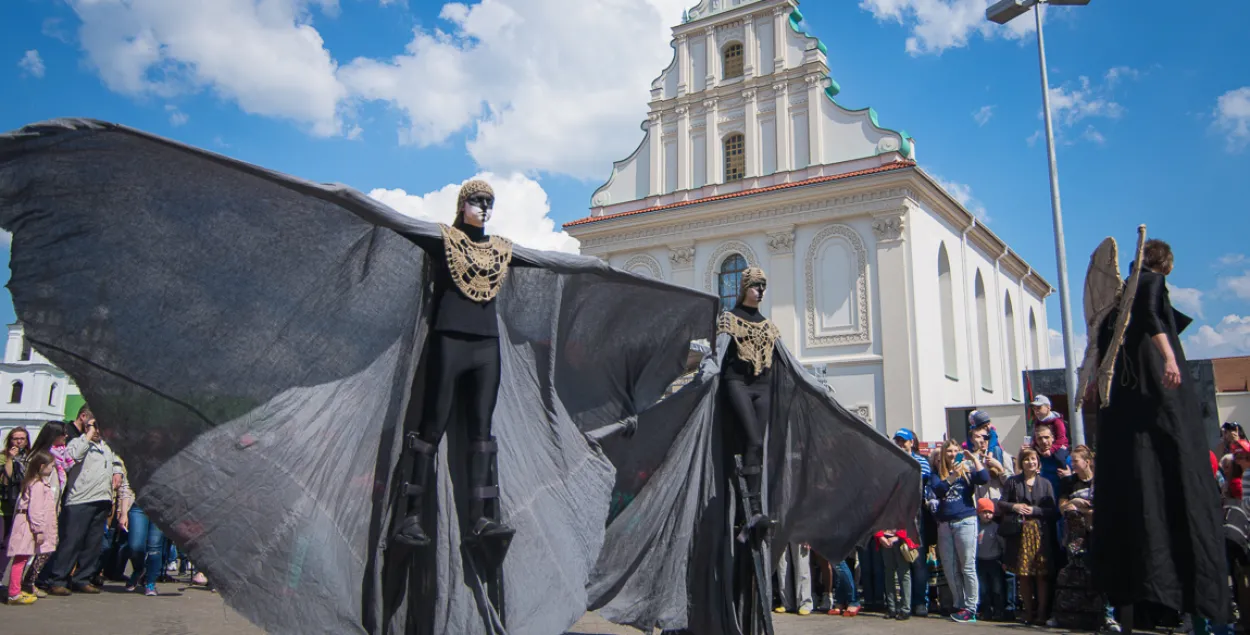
<point>910,554</point>
<point>1011,525</point>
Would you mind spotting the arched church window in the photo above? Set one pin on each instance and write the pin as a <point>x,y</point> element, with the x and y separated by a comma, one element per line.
<point>1034,343</point>
<point>730,277</point>
<point>1013,357</point>
<point>733,60</point>
<point>735,157</point>
<point>25,351</point>
<point>983,334</point>
<point>16,395</point>
<point>946,299</point>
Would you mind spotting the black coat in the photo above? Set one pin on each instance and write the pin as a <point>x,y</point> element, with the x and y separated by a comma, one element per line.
<point>1046,509</point>
<point>1157,529</point>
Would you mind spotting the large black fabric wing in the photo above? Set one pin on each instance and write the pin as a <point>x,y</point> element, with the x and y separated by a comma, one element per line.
<point>249,341</point>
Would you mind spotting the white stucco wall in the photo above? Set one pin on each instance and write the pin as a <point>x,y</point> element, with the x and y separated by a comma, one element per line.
<point>1234,406</point>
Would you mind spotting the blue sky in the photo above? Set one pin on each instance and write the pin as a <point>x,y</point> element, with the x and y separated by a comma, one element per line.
<point>407,99</point>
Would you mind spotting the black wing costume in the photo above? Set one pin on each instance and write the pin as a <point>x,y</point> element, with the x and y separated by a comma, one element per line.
<point>252,339</point>
<point>1157,527</point>
<point>671,559</point>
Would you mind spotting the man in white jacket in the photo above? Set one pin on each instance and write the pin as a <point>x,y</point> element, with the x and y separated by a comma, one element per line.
<point>89,490</point>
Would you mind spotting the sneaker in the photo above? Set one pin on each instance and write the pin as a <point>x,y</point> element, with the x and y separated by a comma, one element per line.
<point>805,611</point>
<point>89,589</point>
<point>58,591</point>
<point>199,579</point>
<point>780,609</point>
<point>1111,626</point>
<point>21,599</point>
<point>40,593</point>
<point>1052,623</point>
<point>920,610</point>
<point>964,616</point>
<point>150,590</point>
<point>904,616</point>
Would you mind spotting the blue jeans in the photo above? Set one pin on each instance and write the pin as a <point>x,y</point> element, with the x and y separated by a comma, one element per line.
<point>992,587</point>
<point>844,585</point>
<point>146,546</point>
<point>957,548</point>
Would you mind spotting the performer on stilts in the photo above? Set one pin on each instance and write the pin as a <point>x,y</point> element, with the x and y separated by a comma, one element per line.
<point>463,366</point>
<point>747,381</point>
<point>758,455</point>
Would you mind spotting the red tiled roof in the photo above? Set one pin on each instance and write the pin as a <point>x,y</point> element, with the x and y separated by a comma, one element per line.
<point>898,165</point>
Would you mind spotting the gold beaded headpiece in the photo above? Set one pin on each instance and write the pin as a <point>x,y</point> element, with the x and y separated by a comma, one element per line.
<point>751,277</point>
<point>475,186</point>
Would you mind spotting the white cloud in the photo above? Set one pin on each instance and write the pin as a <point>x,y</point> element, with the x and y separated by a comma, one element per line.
<point>1071,104</point>
<point>1187,300</point>
<point>963,194</point>
<point>1056,347</point>
<point>1091,134</point>
<point>176,117</point>
<point>1237,285</point>
<point>1230,260</point>
<point>1115,74</point>
<point>6,239</point>
<point>1232,117</point>
<point>32,64</point>
<point>937,25</point>
<point>521,75</point>
<point>983,115</point>
<point>1034,138</point>
<point>264,55</point>
<point>1229,338</point>
<point>522,211</point>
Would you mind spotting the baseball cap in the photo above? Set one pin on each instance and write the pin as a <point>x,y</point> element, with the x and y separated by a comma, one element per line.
<point>985,505</point>
<point>1041,400</point>
<point>905,434</point>
<point>1230,425</point>
<point>976,419</point>
<point>1240,446</point>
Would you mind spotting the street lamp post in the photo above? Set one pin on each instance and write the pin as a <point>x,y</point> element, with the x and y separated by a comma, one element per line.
<point>1001,13</point>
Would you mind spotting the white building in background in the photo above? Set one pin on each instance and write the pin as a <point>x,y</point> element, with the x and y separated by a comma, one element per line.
<point>879,281</point>
<point>34,391</point>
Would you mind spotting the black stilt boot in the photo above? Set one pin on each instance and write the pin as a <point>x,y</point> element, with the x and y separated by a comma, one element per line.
<point>488,538</point>
<point>757,521</point>
<point>420,456</point>
<point>485,517</point>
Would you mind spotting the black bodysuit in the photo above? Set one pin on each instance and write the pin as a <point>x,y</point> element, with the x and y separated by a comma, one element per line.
<point>749,394</point>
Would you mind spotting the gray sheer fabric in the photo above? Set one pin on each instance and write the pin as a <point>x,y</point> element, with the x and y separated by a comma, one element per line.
<point>248,341</point>
<point>670,560</point>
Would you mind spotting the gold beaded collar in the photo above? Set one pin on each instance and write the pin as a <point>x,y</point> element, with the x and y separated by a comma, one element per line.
<point>755,340</point>
<point>478,269</point>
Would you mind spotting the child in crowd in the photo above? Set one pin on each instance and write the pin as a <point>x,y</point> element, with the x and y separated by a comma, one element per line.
<point>34,528</point>
<point>990,574</point>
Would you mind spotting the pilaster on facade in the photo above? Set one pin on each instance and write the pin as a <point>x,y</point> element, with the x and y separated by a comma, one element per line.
<point>656,186</point>
<point>751,115</point>
<point>815,120</point>
<point>683,65</point>
<point>781,15</point>
<point>784,153</point>
<point>713,56</point>
<point>750,48</point>
<point>782,284</point>
<point>713,158</point>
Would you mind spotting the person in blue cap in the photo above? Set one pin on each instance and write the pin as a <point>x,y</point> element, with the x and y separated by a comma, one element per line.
<point>978,419</point>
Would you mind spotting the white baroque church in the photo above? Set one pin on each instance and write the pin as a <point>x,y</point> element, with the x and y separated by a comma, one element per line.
<point>36,390</point>
<point>881,283</point>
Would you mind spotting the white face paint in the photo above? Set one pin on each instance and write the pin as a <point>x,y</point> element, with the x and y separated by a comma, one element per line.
<point>474,215</point>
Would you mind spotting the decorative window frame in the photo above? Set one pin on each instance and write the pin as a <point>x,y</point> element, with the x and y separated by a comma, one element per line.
<point>861,331</point>
<point>718,257</point>
<point>647,261</point>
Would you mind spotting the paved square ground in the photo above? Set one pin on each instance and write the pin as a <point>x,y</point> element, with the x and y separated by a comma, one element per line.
<point>184,610</point>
